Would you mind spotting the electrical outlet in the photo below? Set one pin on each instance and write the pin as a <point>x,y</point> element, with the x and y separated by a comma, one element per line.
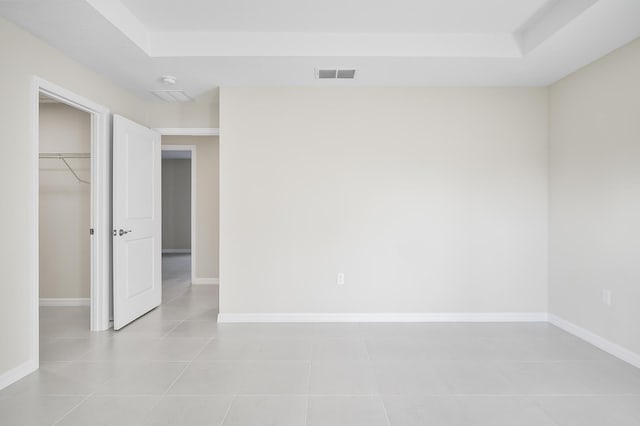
<point>606,297</point>
<point>340,278</point>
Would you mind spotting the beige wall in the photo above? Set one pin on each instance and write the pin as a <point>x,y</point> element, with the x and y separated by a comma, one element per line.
<point>207,204</point>
<point>176,204</point>
<point>428,199</point>
<point>202,112</point>
<point>595,197</point>
<point>65,204</point>
<point>23,56</point>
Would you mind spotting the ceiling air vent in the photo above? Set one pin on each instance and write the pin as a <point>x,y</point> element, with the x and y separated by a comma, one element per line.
<point>347,74</point>
<point>333,74</point>
<point>172,95</point>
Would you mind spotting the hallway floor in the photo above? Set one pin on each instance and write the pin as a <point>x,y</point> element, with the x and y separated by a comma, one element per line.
<point>176,366</point>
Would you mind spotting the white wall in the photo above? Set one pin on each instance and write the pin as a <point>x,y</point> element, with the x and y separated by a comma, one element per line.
<point>595,197</point>
<point>176,204</point>
<point>207,202</point>
<point>428,199</point>
<point>65,204</point>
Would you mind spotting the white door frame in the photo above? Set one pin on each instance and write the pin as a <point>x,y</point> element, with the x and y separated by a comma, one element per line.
<point>100,220</point>
<point>192,149</point>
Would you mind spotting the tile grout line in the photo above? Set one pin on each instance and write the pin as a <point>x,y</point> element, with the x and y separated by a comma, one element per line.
<point>542,409</point>
<point>187,365</point>
<point>164,336</point>
<point>233,401</point>
<point>165,392</point>
<point>86,398</point>
<point>184,369</point>
<point>306,405</point>
<point>202,350</point>
<point>379,395</point>
<point>311,360</point>
<point>384,409</point>
<point>226,414</point>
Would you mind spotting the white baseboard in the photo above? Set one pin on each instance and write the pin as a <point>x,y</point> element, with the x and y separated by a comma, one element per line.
<point>205,281</point>
<point>387,317</point>
<point>174,251</point>
<point>596,340</point>
<point>17,373</point>
<point>65,302</point>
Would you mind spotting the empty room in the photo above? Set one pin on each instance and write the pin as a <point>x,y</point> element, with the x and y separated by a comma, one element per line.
<point>296,213</point>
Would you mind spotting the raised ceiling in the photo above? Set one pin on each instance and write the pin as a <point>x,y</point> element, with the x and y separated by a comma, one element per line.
<point>211,43</point>
<point>401,16</point>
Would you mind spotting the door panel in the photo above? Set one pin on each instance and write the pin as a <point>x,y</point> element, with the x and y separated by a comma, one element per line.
<point>137,280</point>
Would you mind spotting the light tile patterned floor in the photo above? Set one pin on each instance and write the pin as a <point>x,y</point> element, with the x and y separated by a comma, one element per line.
<point>176,366</point>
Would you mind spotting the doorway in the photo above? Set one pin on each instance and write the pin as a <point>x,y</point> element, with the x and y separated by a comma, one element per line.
<point>179,206</point>
<point>203,255</point>
<point>90,165</point>
<point>64,214</point>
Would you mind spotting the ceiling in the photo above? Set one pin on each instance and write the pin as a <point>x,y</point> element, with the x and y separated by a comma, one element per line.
<point>401,16</point>
<point>212,43</point>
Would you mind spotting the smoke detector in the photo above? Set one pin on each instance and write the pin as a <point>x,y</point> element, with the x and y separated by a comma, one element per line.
<point>169,80</point>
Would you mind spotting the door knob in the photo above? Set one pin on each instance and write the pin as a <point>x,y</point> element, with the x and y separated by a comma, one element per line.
<point>123,232</point>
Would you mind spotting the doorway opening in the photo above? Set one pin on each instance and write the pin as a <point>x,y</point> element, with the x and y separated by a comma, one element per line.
<point>178,219</point>
<point>64,219</point>
<point>190,234</point>
<point>71,215</point>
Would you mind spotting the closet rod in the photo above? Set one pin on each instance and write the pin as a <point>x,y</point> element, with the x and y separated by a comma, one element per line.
<point>60,155</point>
<point>63,156</point>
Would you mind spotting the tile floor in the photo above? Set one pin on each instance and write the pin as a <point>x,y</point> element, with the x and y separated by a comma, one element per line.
<point>176,366</point>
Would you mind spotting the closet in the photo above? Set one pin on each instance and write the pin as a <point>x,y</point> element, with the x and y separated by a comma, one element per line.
<point>64,205</point>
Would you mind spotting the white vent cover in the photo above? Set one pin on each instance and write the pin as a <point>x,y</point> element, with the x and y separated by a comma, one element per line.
<point>333,74</point>
<point>172,95</point>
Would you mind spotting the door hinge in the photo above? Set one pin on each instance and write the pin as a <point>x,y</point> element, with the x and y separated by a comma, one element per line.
<point>91,232</point>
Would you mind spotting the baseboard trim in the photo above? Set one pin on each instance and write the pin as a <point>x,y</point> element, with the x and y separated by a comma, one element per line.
<point>17,373</point>
<point>386,317</point>
<point>596,340</point>
<point>65,302</point>
<point>176,251</point>
<point>205,281</point>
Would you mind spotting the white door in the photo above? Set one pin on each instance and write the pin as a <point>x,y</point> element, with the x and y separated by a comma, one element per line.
<point>137,280</point>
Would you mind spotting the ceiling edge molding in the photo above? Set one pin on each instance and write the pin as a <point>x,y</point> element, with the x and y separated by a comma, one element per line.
<point>125,21</point>
<point>550,19</point>
<point>483,45</point>
<point>283,44</point>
